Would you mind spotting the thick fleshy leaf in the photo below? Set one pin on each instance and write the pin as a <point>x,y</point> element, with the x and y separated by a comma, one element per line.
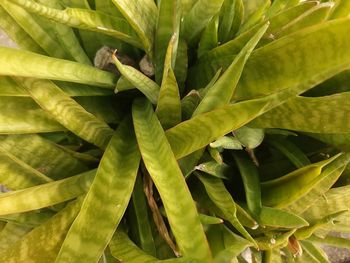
<point>125,250</point>
<point>34,29</point>
<point>314,16</point>
<point>17,34</point>
<point>222,91</point>
<point>16,174</point>
<point>251,182</point>
<point>43,242</point>
<point>303,183</point>
<point>334,200</point>
<point>248,137</point>
<point>84,19</point>
<point>291,151</point>
<point>28,118</point>
<point>273,217</point>
<point>141,15</point>
<point>218,193</point>
<point>222,171</point>
<point>169,105</point>
<point>231,16</point>
<point>315,251</point>
<point>140,217</point>
<point>306,232</point>
<point>27,64</point>
<point>143,83</point>
<point>166,174</point>
<point>275,241</point>
<point>45,195</point>
<point>256,17</point>
<point>168,24</point>
<point>196,133</point>
<point>341,10</point>
<point>42,155</point>
<point>29,219</point>
<point>262,75</point>
<point>67,111</point>
<point>10,234</point>
<point>209,38</point>
<point>198,17</point>
<point>65,35</point>
<point>117,171</point>
<point>227,142</point>
<point>327,114</point>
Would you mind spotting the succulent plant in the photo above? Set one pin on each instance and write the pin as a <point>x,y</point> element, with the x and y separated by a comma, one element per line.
<point>174,130</point>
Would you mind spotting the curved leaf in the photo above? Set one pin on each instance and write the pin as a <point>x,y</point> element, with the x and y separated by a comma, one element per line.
<point>84,19</point>
<point>166,174</point>
<point>142,16</point>
<point>27,64</point>
<point>143,83</point>
<point>117,170</point>
<point>67,111</point>
<point>43,242</point>
<point>327,114</point>
<point>45,195</point>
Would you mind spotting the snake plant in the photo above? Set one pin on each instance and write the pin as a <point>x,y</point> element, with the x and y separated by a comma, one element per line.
<point>174,130</point>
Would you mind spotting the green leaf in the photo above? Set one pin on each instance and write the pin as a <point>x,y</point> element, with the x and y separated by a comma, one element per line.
<point>334,200</point>
<point>84,19</point>
<point>196,133</point>
<point>209,37</point>
<point>28,118</point>
<point>248,137</point>
<point>319,115</point>
<point>277,240</point>
<point>218,193</point>
<point>45,195</point>
<point>143,83</point>
<point>29,219</point>
<point>251,182</point>
<point>291,151</point>
<point>314,16</point>
<point>198,17</point>
<point>222,91</point>
<point>170,182</point>
<point>43,242</point>
<point>306,182</point>
<point>341,10</point>
<point>331,241</point>
<point>234,244</point>
<point>27,64</point>
<point>306,232</point>
<point>142,17</point>
<point>231,16</point>
<point>140,216</point>
<point>17,34</point>
<point>10,234</point>
<point>168,24</point>
<point>227,142</point>
<point>112,187</point>
<point>169,105</point>
<point>42,155</point>
<point>273,217</point>
<point>315,251</point>
<point>16,174</point>
<point>67,111</point>
<point>222,171</point>
<point>262,75</point>
<point>34,29</point>
<point>65,36</point>
<point>125,250</point>
<point>256,17</point>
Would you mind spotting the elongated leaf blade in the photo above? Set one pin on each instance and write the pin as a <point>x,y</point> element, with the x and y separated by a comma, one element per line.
<point>170,182</point>
<point>117,170</point>
<point>68,112</point>
<point>27,64</point>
